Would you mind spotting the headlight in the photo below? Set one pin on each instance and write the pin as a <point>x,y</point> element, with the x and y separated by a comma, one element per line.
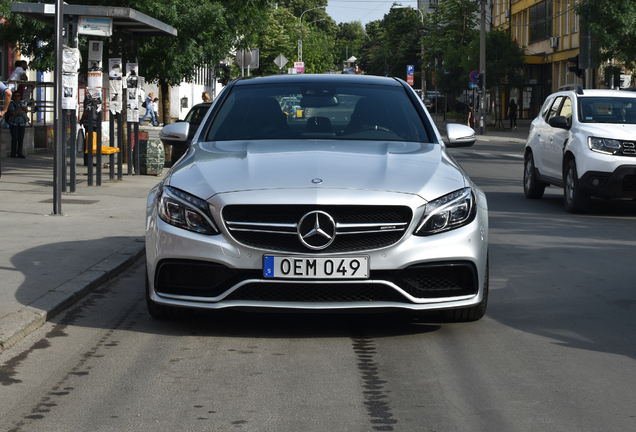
<point>448,212</point>
<point>604,145</point>
<point>185,211</point>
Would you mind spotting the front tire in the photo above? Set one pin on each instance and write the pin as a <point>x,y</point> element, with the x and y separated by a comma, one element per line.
<point>575,200</point>
<point>532,187</point>
<point>473,313</point>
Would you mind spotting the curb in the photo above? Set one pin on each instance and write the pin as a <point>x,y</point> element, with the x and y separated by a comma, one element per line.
<point>18,325</point>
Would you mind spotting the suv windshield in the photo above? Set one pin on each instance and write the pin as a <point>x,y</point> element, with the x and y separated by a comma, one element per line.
<point>318,111</point>
<point>607,110</point>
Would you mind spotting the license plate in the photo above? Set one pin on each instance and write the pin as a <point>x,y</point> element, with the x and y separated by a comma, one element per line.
<point>295,267</point>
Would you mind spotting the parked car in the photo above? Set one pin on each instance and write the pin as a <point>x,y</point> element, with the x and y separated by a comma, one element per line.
<point>583,141</point>
<point>357,207</point>
<point>194,118</point>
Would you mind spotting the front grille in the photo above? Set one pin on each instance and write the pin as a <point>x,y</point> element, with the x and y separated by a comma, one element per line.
<point>205,280</point>
<point>358,228</point>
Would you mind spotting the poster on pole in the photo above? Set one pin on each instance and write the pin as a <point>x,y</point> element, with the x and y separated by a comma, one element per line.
<point>132,92</point>
<point>69,91</point>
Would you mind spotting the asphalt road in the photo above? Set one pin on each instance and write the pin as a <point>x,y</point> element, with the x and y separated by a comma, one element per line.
<point>555,351</point>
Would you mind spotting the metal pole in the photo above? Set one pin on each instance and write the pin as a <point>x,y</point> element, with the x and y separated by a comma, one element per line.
<point>482,67</point>
<point>58,159</point>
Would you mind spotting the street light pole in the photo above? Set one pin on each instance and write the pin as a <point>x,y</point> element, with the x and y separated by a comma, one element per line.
<point>300,29</point>
<point>482,66</point>
<point>423,84</point>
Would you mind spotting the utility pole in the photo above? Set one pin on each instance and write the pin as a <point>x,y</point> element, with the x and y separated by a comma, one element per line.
<point>482,67</point>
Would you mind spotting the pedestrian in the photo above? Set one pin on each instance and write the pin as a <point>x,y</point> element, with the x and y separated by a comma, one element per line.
<point>206,97</point>
<point>471,116</point>
<point>512,113</point>
<point>7,94</point>
<point>148,105</point>
<point>18,74</point>
<point>155,108</point>
<point>17,125</point>
<point>88,106</point>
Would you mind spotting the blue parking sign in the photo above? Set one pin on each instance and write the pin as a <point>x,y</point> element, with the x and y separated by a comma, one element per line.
<point>410,69</point>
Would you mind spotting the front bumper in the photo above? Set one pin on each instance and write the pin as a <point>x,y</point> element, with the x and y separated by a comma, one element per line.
<point>212,272</point>
<point>621,183</point>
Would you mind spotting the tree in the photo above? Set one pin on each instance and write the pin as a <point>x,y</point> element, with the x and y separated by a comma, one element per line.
<point>207,31</point>
<point>613,24</point>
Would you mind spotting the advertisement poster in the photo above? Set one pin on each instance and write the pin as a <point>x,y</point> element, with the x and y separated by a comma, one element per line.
<point>69,91</point>
<point>94,79</point>
<point>115,94</point>
<point>114,68</point>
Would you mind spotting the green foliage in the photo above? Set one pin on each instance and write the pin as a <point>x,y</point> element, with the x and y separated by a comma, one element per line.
<point>392,43</point>
<point>613,24</point>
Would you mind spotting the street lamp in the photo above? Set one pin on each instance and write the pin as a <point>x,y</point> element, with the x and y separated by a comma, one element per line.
<point>300,25</point>
<point>422,44</point>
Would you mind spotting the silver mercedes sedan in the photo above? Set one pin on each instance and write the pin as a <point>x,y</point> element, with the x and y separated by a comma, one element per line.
<point>350,202</point>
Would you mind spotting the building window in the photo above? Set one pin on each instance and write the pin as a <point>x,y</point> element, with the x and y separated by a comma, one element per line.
<point>541,21</point>
<point>575,19</point>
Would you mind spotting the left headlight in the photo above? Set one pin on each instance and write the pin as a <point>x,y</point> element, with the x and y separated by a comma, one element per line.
<point>604,145</point>
<point>183,210</point>
<point>448,212</point>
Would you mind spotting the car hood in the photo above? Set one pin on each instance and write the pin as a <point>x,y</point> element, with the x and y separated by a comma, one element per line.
<point>611,130</point>
<point>403,167</point>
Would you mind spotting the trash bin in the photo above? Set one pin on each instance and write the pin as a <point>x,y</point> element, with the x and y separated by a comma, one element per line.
<point>152,157</point>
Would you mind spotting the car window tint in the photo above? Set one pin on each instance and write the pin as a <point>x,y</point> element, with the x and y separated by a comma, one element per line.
<point>197,114</point>
<point>566,110</point>
<point>555,107</point>
<point>320,111</point>
<point>608,110</point>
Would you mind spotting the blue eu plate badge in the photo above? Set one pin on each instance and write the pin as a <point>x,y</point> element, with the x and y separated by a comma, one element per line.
<point>268,266</point>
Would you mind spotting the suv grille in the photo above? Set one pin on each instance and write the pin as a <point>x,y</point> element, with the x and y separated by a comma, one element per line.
<point>358,228</point>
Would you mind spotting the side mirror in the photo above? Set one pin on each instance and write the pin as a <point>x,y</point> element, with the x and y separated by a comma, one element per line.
<point>460,135</point>
<point>559,122</point>
<point>174,133</point>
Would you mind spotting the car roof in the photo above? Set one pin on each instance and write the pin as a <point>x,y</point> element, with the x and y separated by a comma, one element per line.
<point>599,93</point>
<point>317,78</point>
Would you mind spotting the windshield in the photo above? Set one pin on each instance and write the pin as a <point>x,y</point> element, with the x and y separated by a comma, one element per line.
<point>318,111</point>
<point>607,110</point>
<point>197,114</point>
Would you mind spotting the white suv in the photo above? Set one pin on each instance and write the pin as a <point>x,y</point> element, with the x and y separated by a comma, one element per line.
<point>584,142</point>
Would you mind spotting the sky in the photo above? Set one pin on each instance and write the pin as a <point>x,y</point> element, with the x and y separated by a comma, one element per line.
<point>362,10</point>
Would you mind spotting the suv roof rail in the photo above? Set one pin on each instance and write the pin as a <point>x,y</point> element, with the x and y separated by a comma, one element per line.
<point>576,87</point>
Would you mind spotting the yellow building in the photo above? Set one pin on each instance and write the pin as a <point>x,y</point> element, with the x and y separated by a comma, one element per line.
<point>549,30</point>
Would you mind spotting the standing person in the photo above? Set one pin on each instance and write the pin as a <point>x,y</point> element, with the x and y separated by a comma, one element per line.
<point>6,94</point>
<point>471,116</point>
<point>206,97</point>
<point>17,125</point>
<point>155,108</point>
<point>149,110</point>
<point>512,113</point>
<point>18,74</point>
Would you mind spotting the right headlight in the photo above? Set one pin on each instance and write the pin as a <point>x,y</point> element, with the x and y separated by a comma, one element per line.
<point>186,211</point>
<point>448,212</point>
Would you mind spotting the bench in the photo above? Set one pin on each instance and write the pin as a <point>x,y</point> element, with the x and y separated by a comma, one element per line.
<point>106,150</point>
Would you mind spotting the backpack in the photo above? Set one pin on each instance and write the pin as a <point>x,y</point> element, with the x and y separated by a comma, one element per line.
<point>143,104</point>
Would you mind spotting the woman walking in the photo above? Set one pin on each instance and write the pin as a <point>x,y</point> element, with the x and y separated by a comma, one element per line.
<point>512,113</point>
<point>17,124</point>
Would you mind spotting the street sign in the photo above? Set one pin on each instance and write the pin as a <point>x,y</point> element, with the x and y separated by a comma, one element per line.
<point>474,76</point>
<point>280,61</point>
<point>409,80</point>
<point>473,85</point>
<point>300,67</point>
<point>242,56</point>
<point>410,69</point>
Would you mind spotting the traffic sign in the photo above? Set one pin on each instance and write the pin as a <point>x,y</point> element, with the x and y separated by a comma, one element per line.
<point>474,76</point>
<point>409,80</point>
<point>410,69</point>
<point>280,61</point>
<point>473,85</point>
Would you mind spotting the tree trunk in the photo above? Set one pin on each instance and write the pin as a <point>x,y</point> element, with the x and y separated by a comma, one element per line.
<point>164,90</point>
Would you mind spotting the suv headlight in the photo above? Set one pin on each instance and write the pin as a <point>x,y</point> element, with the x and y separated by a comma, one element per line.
<point>185,211</point>
<point>604,145</point>
<point>448,212</point>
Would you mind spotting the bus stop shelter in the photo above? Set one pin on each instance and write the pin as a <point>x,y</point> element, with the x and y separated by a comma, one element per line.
<point>127,24</point>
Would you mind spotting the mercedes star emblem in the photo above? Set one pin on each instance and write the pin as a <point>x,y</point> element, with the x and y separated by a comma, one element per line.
<point>316,230</point>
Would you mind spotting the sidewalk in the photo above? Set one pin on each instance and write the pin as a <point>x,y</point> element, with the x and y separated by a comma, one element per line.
<point>49,262</point>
